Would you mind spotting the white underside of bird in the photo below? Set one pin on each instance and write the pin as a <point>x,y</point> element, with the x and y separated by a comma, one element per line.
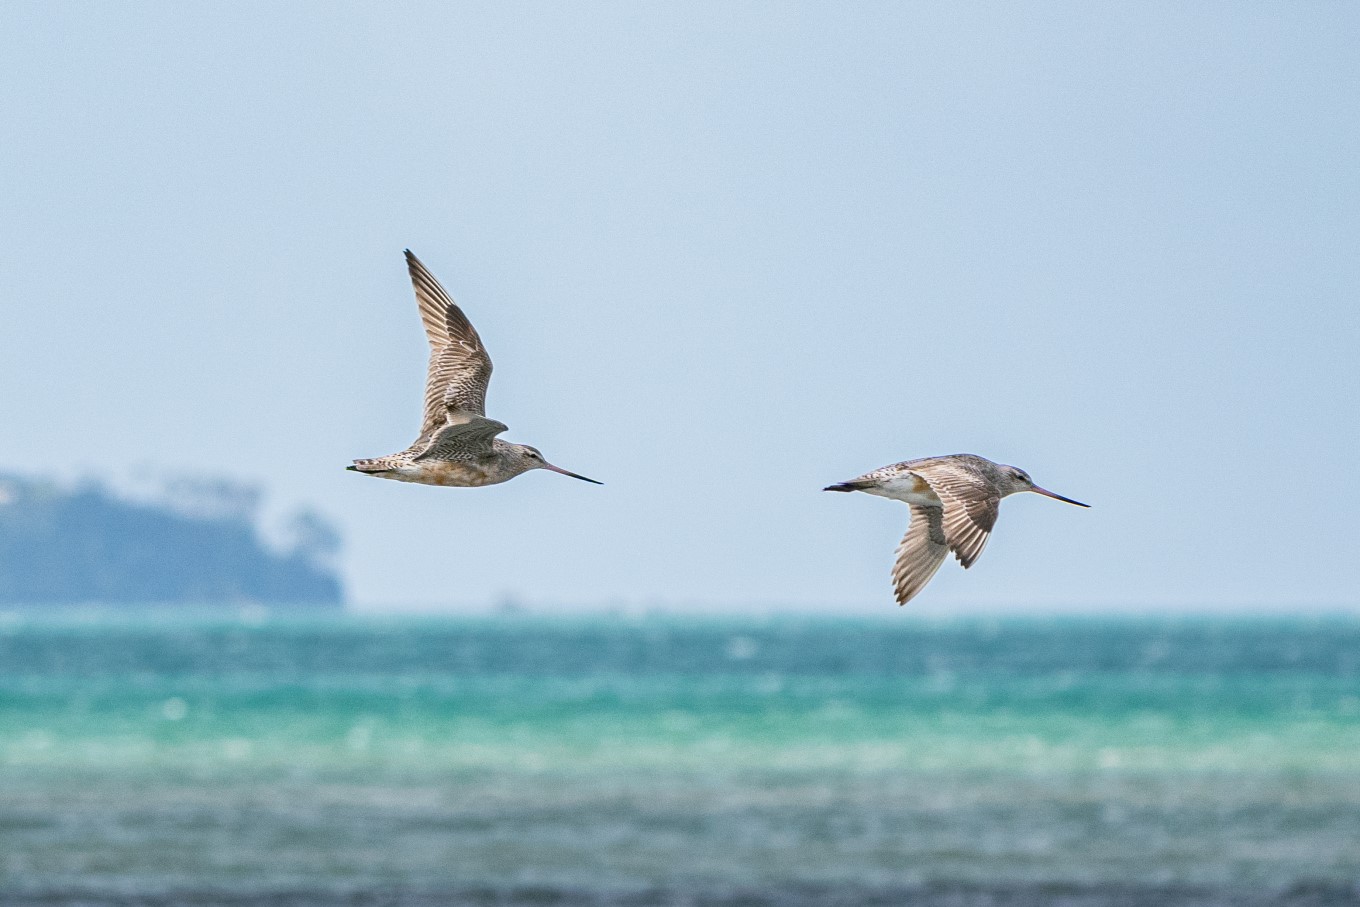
<point>908,487</point>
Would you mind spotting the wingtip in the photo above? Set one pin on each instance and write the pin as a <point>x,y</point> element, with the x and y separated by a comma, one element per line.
<point>352,468</point>
<point>839,486</point>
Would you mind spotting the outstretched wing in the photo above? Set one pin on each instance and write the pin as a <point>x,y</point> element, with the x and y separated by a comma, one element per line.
<point>970,506</point>
<point>460,369</point>
<point>921,552</point>
<point>462,440</point>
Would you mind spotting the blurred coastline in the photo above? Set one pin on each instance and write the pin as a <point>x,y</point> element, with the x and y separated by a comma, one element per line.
<point>183,541</point>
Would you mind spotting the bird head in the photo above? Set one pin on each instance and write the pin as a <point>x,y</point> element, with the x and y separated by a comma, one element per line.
<point>1018,480</point>
<point>530,458</point>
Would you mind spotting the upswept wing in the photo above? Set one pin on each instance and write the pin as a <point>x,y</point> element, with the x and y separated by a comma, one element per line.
<point>460,369</point>
<point>920,553</point>
<point>970,507</point>
<point>468,440</point>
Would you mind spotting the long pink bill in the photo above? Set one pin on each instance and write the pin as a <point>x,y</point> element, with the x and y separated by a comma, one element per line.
<point>1047,493</point>
<point>584,479</point>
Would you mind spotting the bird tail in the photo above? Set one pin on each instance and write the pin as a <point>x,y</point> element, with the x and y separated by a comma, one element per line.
<point>847,486</point>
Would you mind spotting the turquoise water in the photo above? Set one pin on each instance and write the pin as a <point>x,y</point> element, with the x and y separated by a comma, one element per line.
<point>789,761</point>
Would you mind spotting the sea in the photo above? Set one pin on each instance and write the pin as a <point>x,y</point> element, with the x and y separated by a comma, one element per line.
<point>649,761</point>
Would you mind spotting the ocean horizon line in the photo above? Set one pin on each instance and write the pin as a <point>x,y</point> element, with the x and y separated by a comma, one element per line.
<point>547,615</point>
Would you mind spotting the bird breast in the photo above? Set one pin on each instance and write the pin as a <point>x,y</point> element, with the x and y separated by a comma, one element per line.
<point>447,473</point>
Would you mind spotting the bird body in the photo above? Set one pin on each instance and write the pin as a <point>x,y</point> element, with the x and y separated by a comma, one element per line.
<point>902,485</point>
<point>499,466</point>
<point>457,445</point>
<point>954,504</point>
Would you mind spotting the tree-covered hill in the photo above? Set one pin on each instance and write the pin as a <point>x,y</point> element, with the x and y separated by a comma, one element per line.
<point>198,543</point>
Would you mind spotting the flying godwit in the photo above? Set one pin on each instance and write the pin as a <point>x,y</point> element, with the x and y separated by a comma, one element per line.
<point>457,444</point>
<point>954,503</point>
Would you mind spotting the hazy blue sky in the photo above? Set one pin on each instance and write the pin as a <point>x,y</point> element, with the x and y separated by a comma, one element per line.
<point>723,255</point>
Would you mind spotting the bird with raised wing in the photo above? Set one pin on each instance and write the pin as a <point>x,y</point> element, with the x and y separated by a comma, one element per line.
<point>954,503</point>
<point>457,444</point>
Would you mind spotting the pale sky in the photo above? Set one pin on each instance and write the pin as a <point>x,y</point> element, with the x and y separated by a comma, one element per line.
<point>722,255</point>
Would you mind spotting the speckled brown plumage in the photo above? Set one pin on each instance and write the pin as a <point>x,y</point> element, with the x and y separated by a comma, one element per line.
<point>457,445</point>
<point>954,505</point>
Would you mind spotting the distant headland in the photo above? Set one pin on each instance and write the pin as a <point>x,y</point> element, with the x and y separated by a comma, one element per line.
<point>194,542</point>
